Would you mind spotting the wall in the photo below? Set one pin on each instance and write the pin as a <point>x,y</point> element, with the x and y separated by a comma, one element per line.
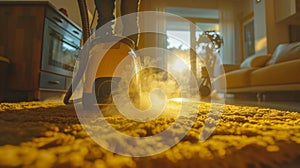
<point>72,8</point>
<point>211,4</point>
<point>276,32</point>
<point>242,10</point>
<point>284,9</point>
<point>268,32</point>
<point>260,27</point>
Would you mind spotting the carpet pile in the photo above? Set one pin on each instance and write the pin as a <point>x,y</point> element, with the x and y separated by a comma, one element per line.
<point>49,134</point>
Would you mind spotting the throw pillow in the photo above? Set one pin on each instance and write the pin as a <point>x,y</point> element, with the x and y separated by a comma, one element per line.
<point>285,52</point>
<point>255,61</point>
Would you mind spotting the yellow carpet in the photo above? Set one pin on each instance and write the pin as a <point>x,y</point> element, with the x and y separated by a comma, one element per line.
<point>48,134</point>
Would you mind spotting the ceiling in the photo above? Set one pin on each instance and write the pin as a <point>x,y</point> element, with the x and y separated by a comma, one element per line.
<point>194,12</point>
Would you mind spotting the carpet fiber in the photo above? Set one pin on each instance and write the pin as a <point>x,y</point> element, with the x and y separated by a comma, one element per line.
<point>48,134</point>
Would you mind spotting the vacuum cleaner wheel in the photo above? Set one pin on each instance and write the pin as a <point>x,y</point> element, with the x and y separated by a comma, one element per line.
<point>103,89</point>
<point>204,91</point>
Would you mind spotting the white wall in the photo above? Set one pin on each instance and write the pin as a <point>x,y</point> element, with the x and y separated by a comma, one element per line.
<point>268,32</point>
<point>260,27</point>
<point>276,32</point>
<point>284,9</point>
<point>72,8</point>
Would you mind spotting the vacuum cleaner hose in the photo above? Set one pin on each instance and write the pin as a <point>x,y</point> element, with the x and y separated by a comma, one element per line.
<point>83,61</point>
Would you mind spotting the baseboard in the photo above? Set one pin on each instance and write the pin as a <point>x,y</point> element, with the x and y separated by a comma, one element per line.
<point>281,96</point>
<point>266,96</point>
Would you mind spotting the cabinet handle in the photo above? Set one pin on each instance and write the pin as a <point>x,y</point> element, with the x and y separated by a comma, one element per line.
<point>76,32</point>
<point>54,82</point>
<point>58,19</point>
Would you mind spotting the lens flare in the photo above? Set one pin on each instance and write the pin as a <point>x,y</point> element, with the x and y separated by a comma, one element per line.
<point>179,65</point>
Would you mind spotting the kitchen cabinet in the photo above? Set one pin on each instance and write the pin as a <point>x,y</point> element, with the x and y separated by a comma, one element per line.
<point>42,45</point>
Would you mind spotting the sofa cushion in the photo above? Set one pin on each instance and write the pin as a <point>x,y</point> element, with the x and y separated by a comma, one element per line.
<point>282,73</point>
<point>234,79</point>
<point>285,52</point>
<point>255,61</point>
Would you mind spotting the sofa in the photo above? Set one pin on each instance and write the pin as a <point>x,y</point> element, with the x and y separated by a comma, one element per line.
<point>279,71</point>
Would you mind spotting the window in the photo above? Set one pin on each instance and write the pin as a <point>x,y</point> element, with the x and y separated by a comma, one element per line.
<point>182,34</point>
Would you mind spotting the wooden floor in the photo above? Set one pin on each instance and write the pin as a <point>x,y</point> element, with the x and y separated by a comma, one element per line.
<point>293,106</point>
<point>286,101</point>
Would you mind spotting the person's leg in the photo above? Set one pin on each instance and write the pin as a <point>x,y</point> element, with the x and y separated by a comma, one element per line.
<point>105,10</point>
<point>130,24</point>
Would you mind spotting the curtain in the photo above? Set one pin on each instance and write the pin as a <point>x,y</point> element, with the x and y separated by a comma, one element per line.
<point>226,14</point>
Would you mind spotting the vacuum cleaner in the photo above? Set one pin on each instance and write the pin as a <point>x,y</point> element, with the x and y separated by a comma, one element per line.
<point>108,58</point>
<point>103,80</point>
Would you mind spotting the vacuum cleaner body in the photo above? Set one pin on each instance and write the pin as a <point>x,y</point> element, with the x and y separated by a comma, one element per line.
<point>101,76</point>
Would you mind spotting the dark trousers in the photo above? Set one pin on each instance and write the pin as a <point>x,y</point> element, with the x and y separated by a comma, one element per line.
<point>105,9</point>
